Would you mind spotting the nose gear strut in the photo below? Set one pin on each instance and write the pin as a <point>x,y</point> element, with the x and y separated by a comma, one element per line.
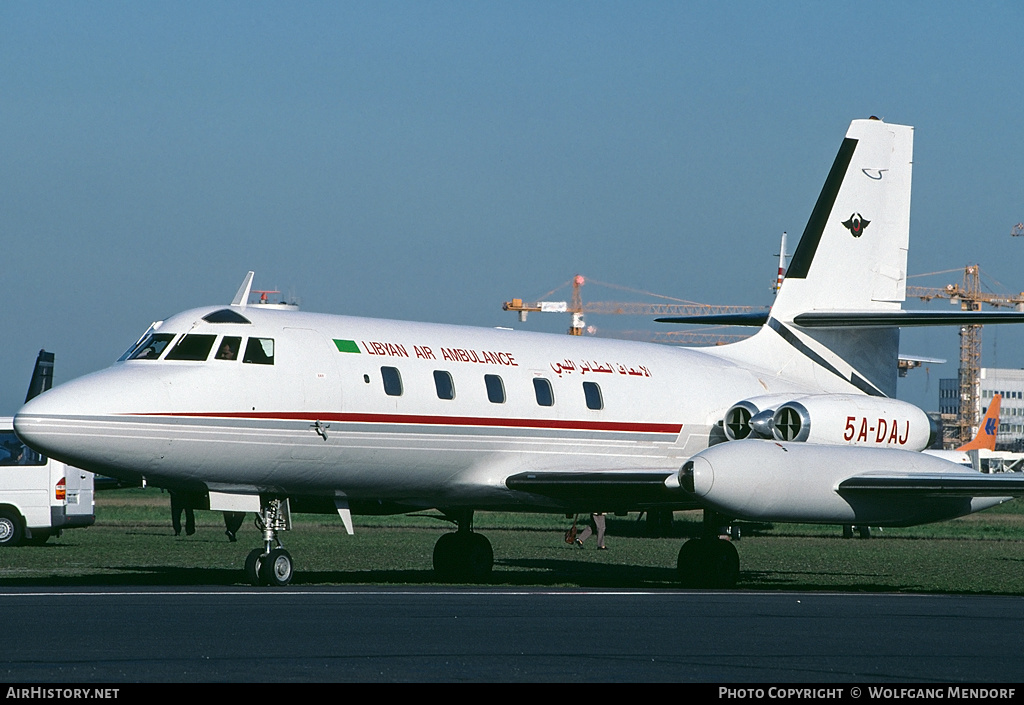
<point>272,564</point>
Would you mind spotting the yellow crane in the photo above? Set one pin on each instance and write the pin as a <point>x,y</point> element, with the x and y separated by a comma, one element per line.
<point>578,308</point>
<point>970,297</point>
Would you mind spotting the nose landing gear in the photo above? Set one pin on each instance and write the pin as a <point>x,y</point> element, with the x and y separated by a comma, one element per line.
<point>271,565</point>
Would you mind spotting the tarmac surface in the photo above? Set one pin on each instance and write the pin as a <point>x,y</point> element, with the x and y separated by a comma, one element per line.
<point>380,634</point>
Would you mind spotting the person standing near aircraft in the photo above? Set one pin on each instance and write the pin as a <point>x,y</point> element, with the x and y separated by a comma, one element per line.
<point>597,524</point>
<point>181,502</point>
<point>232,523</point>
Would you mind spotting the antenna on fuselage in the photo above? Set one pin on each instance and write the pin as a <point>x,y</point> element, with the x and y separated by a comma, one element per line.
<point>782,266</point>
<point>242,295</point>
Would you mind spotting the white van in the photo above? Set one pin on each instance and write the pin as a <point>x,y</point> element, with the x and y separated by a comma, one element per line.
<point>39,496</point>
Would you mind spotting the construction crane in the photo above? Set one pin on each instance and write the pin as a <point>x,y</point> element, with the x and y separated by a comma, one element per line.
<point>578,309</point>
<point>970,297</point>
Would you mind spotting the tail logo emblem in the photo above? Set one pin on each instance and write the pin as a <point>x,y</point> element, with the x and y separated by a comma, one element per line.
<point>856,225</point>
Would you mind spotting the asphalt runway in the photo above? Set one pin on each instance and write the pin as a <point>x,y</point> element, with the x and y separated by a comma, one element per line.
<point>498,635</point>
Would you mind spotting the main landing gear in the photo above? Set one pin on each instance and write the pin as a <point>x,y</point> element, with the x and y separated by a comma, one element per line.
<point>271,565</point>
<point>463,555</point>
<point>709,561</point>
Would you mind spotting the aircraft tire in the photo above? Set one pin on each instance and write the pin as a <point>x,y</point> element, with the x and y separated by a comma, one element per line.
<point>446,557</point>
<point>463,556</point>
<point>277,568</point>
<point>252,567</point>
<point>479,557</point>
<point>11,533</point>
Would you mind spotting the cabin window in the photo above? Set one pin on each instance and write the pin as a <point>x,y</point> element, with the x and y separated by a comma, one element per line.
<point>192,347</point>
<point>259,351</point>
<point>14,452</point>
<point>542,390</point>
<point>229,348</point>
<point>592,392</point>
<point>444,385</point>
<point>152,346</point>
<point>392,381</point>
<point>495,389</point>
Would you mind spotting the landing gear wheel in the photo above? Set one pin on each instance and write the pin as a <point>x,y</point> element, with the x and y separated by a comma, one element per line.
<point>446,556</point>
<point>252,567</point>
<point>276,569</point>
<point>708,563</point>
<point>11,532</point>
<point>479,558</point>
<point>463,556</point>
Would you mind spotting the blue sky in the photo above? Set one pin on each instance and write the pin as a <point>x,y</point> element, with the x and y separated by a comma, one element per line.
<point>429,160</point>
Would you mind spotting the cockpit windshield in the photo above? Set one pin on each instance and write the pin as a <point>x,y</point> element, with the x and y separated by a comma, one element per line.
<point>194,347</point>
<point>152,347</point>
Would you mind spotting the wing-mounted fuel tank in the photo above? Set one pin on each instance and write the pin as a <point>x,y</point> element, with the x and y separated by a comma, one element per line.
<point>760,480</point>
<point>833,419</point>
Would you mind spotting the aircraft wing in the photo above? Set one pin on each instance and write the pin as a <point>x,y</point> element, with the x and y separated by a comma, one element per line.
<point>959,484</point>
<point>609,489</point>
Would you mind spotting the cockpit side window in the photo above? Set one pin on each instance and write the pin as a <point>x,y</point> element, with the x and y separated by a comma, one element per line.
<point>229,347</point>
<point>152,347</point>
<point>195,347</point>
<point>259,351</point>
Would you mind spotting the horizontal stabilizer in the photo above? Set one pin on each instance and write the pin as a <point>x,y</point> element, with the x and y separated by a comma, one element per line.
<point>859,319</point>
<point>758,318</point>
<point>902,319</point>
<point>922,360</point>
<point>966,484</point>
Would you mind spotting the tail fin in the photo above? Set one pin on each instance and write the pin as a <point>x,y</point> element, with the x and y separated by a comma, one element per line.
<point>986,438</point>
<point>851,258</point>
<point>853,252</point>
<point>42,375</point>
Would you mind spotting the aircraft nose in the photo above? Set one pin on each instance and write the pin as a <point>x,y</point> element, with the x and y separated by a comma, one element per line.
<point>45,422</point>
<point>82,422</point>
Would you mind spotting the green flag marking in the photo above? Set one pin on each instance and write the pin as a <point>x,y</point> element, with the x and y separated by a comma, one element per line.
<point>348,346</point>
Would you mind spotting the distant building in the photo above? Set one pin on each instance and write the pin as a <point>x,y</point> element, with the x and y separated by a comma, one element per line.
<point>994,380</point>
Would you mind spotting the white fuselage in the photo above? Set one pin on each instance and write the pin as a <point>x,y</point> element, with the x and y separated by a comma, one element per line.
<point>319,419</point>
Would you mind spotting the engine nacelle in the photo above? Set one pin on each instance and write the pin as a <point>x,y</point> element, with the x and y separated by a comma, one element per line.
<point>854,419</point>
<point>753,418</point>
<point>760,480</point>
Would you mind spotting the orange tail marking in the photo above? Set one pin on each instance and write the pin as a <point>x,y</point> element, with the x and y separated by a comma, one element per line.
<point>986,437</point>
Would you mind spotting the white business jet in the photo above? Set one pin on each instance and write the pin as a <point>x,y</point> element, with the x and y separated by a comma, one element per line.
<point>274,411</point>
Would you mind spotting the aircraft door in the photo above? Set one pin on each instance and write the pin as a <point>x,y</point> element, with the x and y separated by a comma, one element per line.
<point>312,367</point>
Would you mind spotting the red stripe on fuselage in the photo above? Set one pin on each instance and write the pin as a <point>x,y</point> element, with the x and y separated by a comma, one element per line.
<point>415,419</point>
